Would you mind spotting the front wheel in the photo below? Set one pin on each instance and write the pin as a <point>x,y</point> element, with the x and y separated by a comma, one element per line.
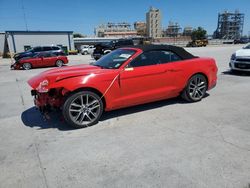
<point>59,63</point>
<point>26,66</point>
<point>83,109</point>
<point>195,89</point>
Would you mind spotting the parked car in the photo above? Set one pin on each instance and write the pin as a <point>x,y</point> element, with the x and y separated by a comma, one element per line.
<point>241,41</point>
<point>85,49</point>
<point>40,59</point>
<point>31,52</point>
<point>125,77</point>
<point>105,48</point>
<point>240,60</point>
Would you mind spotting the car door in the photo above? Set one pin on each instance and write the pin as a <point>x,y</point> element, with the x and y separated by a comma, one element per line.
<point>49,59</point>
<point>145,80</point>
<point>37,60</point>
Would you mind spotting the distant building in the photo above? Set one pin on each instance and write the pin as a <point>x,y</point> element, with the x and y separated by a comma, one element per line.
<point>118,30</point>
<point>230,25</point>
<point>19,41</point>
<point>187,31</point>
<point>173,30</point>
<point>2,41</point>
<point>140,27</point>
<point>153,20</point>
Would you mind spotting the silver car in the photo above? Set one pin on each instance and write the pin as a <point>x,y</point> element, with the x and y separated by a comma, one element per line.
<point>240,60</point>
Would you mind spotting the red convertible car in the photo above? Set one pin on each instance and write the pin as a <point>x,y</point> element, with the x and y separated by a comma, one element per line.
<point>125,77</point>
<point>41,59</point>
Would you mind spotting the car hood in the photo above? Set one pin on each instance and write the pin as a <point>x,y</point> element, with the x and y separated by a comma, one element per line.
<point>243,53</point>
<point>24,58</point>
<point>58,74</point>
<point>23,53</point>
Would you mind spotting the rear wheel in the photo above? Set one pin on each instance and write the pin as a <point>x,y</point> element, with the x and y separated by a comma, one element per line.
<point>26,66</point>
<point>83,109</point>
<point>59,63</point>
<point>195,89</point>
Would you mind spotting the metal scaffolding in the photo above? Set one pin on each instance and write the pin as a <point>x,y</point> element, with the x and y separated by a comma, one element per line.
<point>230,25</point>
<point>173,30</point>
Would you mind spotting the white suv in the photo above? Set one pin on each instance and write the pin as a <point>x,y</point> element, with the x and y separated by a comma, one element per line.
<point>85,49</point>
<point>240,60</point>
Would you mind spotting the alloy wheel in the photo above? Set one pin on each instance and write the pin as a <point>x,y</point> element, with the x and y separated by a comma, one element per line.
<point>197,87</point>
<point>59,63</point>
<point>84,109</point>
<point>26,66</point>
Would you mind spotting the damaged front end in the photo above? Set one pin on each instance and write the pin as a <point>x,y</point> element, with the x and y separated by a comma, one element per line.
<point>53,99</point>
<point>46,98</point>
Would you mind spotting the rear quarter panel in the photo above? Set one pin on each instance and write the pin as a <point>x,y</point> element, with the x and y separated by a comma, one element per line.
<point>206,66</point>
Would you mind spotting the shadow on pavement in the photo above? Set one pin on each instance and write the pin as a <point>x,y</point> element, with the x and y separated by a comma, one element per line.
<point>33,118</point>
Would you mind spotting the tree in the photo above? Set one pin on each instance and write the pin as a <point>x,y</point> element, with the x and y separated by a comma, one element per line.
<point>78,35</point>
<point>199,34</point>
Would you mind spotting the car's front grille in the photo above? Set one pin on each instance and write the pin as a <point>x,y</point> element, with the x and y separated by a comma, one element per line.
<point>243,60</point>
<point>242,66</point>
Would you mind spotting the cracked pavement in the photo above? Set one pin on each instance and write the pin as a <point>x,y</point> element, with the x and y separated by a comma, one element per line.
<point>162,144</point>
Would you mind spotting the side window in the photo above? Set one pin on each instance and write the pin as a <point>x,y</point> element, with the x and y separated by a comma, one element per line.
<point>37,49</point>
<point>154,57</point>
<point>47,48</point>
<point>40,55</point>
<point>166,57</point>
<point>55,48</point>
<point>47,55</point>
<point>145,59</point>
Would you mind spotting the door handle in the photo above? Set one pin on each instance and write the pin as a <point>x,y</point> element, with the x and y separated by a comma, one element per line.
<point>173,70</point>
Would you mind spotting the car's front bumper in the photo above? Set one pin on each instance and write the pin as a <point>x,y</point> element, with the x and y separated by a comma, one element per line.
<point>51,99</point>
<point>15,66</point>
<point>240,65</point>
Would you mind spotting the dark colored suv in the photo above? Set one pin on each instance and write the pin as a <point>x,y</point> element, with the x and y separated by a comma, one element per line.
<point>29,53</point>
<point>104,48</point>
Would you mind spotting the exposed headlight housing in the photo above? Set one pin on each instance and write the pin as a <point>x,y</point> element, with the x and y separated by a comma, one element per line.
<point>43,86</point>
<point>233,57</point>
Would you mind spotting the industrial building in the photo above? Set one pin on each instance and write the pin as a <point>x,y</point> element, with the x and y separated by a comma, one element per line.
<point>19,41</point>
<point>2,39</point>
<point>173,30</point>
<point>140,27</point>
<point>187,31</point>
<point>118,30</point>
<point>230,25</point>
<point>153,20</point>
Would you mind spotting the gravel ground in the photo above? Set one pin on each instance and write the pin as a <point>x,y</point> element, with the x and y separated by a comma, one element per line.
<point>163,144</point>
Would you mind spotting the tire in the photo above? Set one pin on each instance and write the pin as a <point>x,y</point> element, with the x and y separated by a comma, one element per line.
<point>195,89</point>
<point>59,63</point>
<point>84,53</point>
<point>27,66</point>
<point>82,109</point>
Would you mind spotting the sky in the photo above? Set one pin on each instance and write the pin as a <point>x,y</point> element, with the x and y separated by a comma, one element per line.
<point>82,16</point>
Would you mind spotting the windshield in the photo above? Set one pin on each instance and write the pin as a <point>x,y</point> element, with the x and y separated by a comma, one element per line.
<point>114,59</point>
<point>247,47</point>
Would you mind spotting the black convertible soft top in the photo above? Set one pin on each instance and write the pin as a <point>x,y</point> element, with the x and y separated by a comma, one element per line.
<point>177,50</point>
